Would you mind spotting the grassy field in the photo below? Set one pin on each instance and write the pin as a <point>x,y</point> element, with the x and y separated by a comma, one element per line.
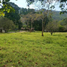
<point>27,49</point>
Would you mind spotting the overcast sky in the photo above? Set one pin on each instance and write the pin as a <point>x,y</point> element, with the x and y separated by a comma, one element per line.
<point>23,3</point>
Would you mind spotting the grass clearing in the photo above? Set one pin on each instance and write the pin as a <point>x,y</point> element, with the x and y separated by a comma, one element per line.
<point>27,49</point>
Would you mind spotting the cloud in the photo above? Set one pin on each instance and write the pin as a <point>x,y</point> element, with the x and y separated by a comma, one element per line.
<point>23,3</point>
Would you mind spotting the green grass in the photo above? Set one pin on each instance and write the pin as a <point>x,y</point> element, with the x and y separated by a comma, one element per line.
<point>32,50</point>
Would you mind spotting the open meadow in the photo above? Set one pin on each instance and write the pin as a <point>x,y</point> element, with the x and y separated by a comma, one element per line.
<point>25,49</point>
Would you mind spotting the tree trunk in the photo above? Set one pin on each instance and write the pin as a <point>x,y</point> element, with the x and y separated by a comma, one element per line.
<point>51,33</point>
<point>42,28</point>
<point>0,30</point>
<point>31,27</point>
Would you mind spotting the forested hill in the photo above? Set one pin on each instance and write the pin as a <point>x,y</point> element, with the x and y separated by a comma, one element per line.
<point>24,11</point>
<point>55,14</point>
<point>58,16</point>
<point>15,6</point>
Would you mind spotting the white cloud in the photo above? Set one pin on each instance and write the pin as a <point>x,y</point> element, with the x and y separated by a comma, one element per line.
<point>23,3</point>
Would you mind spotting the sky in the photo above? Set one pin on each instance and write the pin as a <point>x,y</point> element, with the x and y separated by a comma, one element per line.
<point>20,3</point>
<point>23,3</point>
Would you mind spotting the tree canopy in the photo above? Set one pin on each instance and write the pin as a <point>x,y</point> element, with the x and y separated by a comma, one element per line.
<point>6,24</point>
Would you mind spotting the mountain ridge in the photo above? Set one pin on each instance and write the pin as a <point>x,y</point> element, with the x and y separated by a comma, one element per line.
<point>56,14</point>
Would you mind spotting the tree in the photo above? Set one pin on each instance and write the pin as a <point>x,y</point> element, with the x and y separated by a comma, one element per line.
<point>44,14</point>
<point>6,24</point>
<point>61,28</point>
<point>63,25</point>
<point>32,21</point>
<point>51,4</point>
<point>52,27</point>
<point>44,1</point>
<point>65,28</point>
<point>44,17</point>
<point>29,19</point>
<point>5,7</point>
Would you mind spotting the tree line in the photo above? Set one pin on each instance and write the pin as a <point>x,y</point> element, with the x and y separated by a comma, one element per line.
<point>13,18</point>
<point>29,19</point>
<point>44,22</point>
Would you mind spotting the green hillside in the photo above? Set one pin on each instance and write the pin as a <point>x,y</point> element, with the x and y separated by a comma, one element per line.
<point>58,16</point>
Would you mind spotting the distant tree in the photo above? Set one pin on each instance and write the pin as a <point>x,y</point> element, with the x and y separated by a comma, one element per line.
<point>6,24</point>
<point>37,25</point>
<point>32,20</point>
<point>29,20</point>
<point>65,28</point>
<point>63,25</point>
<point>52,27</point>
<point>61,28</point>
<point>24,11</point>
<point>64,21</point>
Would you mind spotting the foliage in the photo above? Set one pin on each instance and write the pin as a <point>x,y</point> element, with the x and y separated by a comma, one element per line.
<point>37,20</point>
<point>6,24</point>
<point>61,28</point>
<point>5,7</point>
<point>51,3</point>
<point>24,11</point>
<point>29,20</point>
<point>63,25</point>
<point>34,20</point>
<point>65,28</point>
<point>52,27</point>
<point>14,16</point>
<point>37,25</point>
<point>64,21</point>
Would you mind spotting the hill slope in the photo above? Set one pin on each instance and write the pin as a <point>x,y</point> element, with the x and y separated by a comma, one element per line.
<point>24,11</point>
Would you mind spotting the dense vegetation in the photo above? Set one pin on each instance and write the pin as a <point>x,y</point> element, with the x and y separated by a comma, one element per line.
<point>25,49</point>
<point>6,24</point>
<point>29,18</point>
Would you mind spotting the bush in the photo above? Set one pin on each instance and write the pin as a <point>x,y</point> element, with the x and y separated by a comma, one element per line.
<point>6,24</point>
<point>61,28</point>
